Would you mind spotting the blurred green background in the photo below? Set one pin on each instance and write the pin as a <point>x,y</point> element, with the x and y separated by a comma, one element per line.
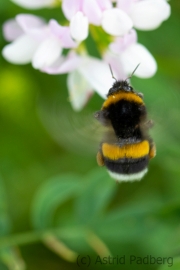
<point>55,202</point>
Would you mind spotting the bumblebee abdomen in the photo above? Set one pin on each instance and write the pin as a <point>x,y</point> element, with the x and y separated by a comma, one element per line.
<point>127,162</point>
<point>129,169</point>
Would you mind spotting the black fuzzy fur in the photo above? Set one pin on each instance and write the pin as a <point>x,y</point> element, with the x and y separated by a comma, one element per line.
<point>126,166</point>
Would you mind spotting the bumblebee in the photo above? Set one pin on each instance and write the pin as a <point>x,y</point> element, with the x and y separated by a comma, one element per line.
<point>127,146</point>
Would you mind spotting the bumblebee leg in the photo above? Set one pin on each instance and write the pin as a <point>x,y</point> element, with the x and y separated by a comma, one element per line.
<point>100,159</point>
<point>152,151</point>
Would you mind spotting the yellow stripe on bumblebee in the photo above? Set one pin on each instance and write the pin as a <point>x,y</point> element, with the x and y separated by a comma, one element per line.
<point>115,152</point>
<point>128,96</point>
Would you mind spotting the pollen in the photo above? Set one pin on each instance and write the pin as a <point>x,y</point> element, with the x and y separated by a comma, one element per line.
<point>99,158</point>
<point>152,152</point>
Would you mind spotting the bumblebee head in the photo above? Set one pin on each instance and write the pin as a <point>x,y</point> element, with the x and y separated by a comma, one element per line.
<point>120,86</point>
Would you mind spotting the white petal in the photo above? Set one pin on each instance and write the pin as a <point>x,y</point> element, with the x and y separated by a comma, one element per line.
<point>64,64</point>
<point>55,68</point>
<point>105,4</point>
<point>79,90</point>
<point>149,14</point>
<point>93,11</point>
<point>121,43</point>
<point>29,22</point>
<point>116,22</point>
<point>21,50</point>
<point>97,73</point>
<point>47,53</point>
<point>33,4</point>
<point>79,26</point>
<point>136,54</point>
<point>116,65</point>
<point>70,7</point>
<point>62,33</point>
<point>33,25</point>
<point>11,30</point>
<point>125,4</point>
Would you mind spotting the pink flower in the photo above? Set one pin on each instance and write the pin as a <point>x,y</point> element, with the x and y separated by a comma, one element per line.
<point>81,13</point>
<point>116,21</point>
<point>97,12</point>
<point>129,54</point>
<point>34,41</point>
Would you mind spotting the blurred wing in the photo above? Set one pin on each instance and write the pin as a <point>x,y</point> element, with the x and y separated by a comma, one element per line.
<point>77,132</point>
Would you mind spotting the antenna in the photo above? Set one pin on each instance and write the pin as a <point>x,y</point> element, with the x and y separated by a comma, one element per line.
<point>133,72</point>
<point>112,73</point>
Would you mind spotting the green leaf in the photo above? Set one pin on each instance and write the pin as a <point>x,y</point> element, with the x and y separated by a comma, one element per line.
<point>131,220</point>
<point>96,194</point>
<point>50,196</point>
<point>140,223</point>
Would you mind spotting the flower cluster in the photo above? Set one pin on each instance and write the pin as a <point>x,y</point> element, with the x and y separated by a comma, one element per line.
<point>41,43</point>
